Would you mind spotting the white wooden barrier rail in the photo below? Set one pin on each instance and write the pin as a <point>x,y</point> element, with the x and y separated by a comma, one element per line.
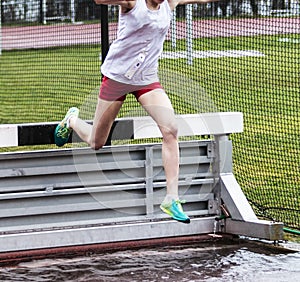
<point>127,128</point>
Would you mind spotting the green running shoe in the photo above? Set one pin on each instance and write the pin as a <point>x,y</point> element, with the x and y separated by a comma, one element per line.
<point>62,131</point>
<point>175,210</point>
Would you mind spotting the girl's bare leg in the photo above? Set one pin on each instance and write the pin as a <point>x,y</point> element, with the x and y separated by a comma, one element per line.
<point>159,107</point>
<point>96,135</point>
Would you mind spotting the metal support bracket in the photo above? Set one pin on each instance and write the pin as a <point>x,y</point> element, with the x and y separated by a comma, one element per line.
<point>243,220</point>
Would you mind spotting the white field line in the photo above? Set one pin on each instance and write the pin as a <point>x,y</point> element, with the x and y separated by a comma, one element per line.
<point>212,54</point>
<point>289,40</point>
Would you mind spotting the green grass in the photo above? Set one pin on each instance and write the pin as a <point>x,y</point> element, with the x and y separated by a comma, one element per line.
<point>39,85</point>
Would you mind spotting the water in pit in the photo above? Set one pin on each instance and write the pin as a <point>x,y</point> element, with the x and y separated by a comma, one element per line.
<point>211,261</point>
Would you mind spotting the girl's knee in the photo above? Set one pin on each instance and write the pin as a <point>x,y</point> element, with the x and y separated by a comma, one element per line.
<point>96,144</point>
<point>170,131</point>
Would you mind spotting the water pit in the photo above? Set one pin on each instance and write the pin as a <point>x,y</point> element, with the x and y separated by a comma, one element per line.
<point>219,260</point>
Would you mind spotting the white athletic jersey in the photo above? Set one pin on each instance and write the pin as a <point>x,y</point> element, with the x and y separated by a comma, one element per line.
<point>133,56</point>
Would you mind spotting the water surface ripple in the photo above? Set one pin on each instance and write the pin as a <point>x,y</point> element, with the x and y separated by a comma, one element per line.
<point>198,262</point>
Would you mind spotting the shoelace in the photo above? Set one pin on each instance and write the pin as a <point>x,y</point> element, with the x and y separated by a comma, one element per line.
<point>180,201</point>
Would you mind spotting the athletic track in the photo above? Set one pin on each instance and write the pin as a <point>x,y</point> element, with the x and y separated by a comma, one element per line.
<point>71,34</point>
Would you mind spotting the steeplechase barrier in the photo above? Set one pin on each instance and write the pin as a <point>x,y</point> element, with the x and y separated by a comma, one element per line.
<point>77,197</point>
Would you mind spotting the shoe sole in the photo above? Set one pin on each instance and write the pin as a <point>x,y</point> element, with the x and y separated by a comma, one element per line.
<point>62,141</point>
<point>186,221</point>
<point>58,140</point>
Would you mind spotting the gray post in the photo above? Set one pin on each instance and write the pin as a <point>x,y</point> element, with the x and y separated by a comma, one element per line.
<point>173,30</point>
<point>149,182</point>
<point>72,8</point>
<point>44,11</point>
<point>222,163</point>
<point>189,28</point>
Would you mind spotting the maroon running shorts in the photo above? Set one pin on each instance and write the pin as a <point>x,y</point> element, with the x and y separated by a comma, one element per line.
<point>112,90</point>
